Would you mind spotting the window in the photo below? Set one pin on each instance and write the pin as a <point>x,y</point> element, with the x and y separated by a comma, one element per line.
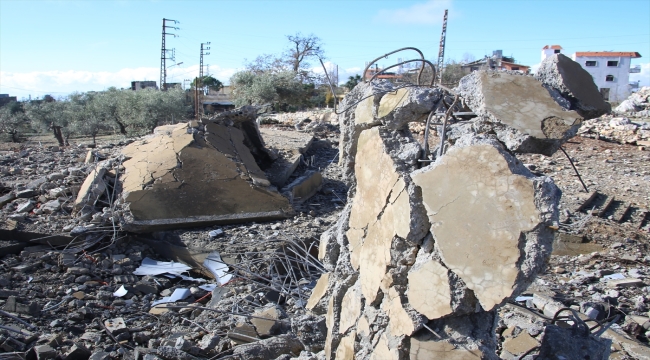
<point>515,68</point>
<point>609,78</point>
<point>590,63</point>
<point>612,63</point>
<point>557,51</point>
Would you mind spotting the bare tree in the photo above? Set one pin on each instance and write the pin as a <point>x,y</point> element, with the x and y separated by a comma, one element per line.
<point>301,48</point>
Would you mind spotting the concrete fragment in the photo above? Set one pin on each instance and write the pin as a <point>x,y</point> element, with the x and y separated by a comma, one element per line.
<point>429,292</point>
<point>243,333</point>
<point>78,352</point>
<point>44,352</point>
<point>174,180</point>
<point>92,188</point>
<point>400,322</point>
<point>289,147</point>
<point>306,186</point>
<point>423,350</point>
<point>310,330</point>
<point>571,343</point>
<point>268,327</point>
<point>318,292</point>
<point>574,83</point>
<point>345,351</point>
<point>350,309</point>
<point>484,250</point>
<point>270,348</point>
<point>520,344</point>
<point>519,110</point>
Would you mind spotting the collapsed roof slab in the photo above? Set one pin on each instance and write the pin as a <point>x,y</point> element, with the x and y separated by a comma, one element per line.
<point>176,179</point>
<point>519,110</point>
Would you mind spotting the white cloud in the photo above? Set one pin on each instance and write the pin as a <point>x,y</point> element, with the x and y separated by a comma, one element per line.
<point>61,83</point>
<point>344,74</point>
<point>427,13</point>
<point>643,76</point>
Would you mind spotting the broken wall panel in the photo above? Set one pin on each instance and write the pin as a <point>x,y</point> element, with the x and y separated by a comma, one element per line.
<point>177,179</point>
<point>440,246</point>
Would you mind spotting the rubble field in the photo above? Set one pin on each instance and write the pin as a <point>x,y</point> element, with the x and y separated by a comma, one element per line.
<point>247,236</point>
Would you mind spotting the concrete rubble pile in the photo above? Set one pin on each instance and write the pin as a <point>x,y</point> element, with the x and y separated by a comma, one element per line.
<point>636,105</point>
<point>424,255</point>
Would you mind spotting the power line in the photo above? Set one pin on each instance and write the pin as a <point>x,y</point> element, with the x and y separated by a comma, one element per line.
<point>163,53</point>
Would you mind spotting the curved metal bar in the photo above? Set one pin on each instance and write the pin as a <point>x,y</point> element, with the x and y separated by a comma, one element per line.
<point>390,53</point>
<point>433,70</point>
<point>329,82</point>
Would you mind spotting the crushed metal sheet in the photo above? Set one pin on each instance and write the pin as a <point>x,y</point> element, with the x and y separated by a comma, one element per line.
<point>154,267</point>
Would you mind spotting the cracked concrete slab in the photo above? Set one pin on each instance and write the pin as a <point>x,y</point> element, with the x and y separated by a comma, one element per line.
<point>519,110</point>
<point>174,179</point>
<point>484,249</point>
<point>574,84</point>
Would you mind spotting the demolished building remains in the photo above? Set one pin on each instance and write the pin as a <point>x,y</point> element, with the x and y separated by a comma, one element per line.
<point>427,256</point>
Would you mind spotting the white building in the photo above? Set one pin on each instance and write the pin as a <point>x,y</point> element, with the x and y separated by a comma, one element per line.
<point>549,50</point>
<point>610,70</point>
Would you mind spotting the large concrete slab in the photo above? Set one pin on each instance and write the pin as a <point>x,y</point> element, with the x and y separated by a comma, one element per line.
<point>519,110</point>
<point>574,84</point>
<point>173,179</point>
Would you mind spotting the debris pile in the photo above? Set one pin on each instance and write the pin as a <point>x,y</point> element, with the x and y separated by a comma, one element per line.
<point>636,105</point>
<point>432,254</point>
<point>618,129</point>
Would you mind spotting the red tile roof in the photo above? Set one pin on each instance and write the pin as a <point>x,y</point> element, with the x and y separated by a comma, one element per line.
<point>551,47</point>
<point>632,54</point>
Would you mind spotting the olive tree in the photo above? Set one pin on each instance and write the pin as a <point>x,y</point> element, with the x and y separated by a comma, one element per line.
<point>12,121</point>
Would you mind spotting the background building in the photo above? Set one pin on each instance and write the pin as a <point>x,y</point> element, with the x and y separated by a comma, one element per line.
<point>610,70</point>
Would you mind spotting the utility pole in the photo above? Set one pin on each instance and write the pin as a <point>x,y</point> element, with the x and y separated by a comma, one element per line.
<point>163,53</point>
<point>199,107</point>
<point>441,52</point>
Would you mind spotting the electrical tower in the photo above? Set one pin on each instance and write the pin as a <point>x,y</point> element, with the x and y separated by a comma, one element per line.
<point>198,84</point>
<point>163,53</point>
<point>441,52</point>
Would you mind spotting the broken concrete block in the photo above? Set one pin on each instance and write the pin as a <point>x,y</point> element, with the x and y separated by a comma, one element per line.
<point>270,348</point>
<point>243,334</point>
<point>574,84</point>
<point>289,147</point>
<point>266,328</point>
<point>560,343</point>
<point>504,200</point>
<point>519,110</point>
<point>412,104</point>
<point>305,186</point>
<point>310,330</point>
<point>423,350</point>
<point>78,352</point>
<point>92,188</point>
<point>43,352</point>
<point>520,344</point>
<point>174,180</point>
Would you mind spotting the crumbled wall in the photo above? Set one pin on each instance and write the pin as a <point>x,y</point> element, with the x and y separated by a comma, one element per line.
<point>424,250</point>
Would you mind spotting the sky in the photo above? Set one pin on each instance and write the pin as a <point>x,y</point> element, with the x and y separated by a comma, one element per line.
<point>59,47</point>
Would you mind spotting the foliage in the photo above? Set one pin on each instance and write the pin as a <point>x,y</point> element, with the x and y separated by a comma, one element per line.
<point>209,81</point>
<point>88,114</point>
<point>452,73</point>
<point>352,82</point>
<point>281,89</point>
<point>284,81</point>
<point>12,121</point>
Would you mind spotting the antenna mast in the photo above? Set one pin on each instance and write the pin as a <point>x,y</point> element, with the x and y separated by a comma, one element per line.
<point>441,52</point>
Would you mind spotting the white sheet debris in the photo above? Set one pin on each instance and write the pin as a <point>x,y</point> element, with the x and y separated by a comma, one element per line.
<point>208,287</point>
<point>218,268</point>
<point>153,267</point>
<point>177,295</point>
<point>616,276</point>
<point>120,292</point>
